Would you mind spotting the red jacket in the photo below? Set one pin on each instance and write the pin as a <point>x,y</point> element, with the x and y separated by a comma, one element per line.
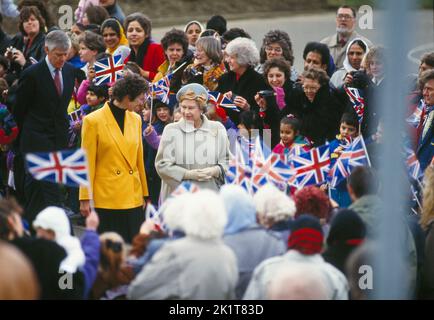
<point>154,57</point>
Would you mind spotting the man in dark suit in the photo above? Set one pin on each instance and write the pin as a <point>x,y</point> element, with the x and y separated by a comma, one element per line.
<point>43,94</point>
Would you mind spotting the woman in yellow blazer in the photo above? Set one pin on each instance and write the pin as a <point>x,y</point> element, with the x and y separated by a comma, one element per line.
<point>112,138</point>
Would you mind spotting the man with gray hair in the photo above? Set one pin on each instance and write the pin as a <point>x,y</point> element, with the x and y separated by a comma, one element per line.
<point>345,33</point>
<point>43,94</point>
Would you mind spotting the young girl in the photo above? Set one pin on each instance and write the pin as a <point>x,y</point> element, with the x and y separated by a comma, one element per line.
<point>291,142</point>
<point>162,115</point>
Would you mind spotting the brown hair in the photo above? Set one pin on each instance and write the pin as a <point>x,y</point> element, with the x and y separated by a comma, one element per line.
<point>26,13</point>
<point>279,63</point>
<point>425,77</point>
<point>316,74</point>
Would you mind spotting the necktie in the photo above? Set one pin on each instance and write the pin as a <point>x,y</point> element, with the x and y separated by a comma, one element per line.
<point>57,82</point>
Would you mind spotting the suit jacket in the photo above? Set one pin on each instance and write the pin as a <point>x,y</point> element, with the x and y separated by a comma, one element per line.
<point>425,148</point>
<point>40,112</point>
<point>116,166</point>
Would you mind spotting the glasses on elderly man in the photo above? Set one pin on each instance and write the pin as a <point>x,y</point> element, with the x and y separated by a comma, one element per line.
<point>344,17</point>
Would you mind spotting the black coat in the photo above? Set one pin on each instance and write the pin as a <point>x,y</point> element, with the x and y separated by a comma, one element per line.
<point>36,52</point>
<point>320,118</point>
<point>247,86</point>
<point>40,113</point>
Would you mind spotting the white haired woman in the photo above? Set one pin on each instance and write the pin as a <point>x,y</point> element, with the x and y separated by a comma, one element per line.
<point>194,148</point>
<point>274,210</point>
<point>198,266</point>
<point>242,82</point>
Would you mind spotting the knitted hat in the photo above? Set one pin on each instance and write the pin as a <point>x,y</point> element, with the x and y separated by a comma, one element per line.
<point>346,228</point>
<point>306,235</point>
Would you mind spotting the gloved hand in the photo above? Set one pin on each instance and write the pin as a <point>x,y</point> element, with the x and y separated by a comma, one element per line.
<point>211,171</point>
<point>197,175</point>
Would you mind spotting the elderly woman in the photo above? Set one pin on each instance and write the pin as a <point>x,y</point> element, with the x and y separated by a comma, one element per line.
<point>274,210</point>
<point>242,82</point>
<point>175,45</point>
<point>29,43</point>
<point>277,44</point>
<point>112,138</point>
<point>114,38</point>
<point>192,30</point>
<point>193,148</point>
<point>316,106</point>
<point>208,66</point>
<point>198,266</point>
<point>250,242</point>
<point>146,53</point>
<point>356,51</point>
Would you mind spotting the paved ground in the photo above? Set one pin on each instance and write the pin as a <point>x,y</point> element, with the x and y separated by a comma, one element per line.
<point>310,27</point>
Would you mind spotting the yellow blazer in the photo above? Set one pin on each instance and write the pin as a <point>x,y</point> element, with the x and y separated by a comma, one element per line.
<point>116,166</point>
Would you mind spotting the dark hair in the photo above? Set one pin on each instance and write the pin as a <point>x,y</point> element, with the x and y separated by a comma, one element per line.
<point>249,119</point>
<point>282,64</point>
<point>96,14</point>
<point>233,33</point>
<point>92,41</point>
<point>101,91</point>
<point>294,123</point>
<point>360,43</point>
<point>159,104</point>
<point>428,58</point>
<point>131,86</point>
<point>425,77</point>
<point>113,24</point>
<point>7,207</point>
<point>25,14</point>
<point>363,181</point>
<point>132,66</point>
<point>316,74</point>
<point>348,7</point>
<point>42,7</point>
<point>350,119</point>
<point>217,23</point>
<point>282,39</point>
<point>175,36</point>
<point>143,20</point>
<point>319,48</point>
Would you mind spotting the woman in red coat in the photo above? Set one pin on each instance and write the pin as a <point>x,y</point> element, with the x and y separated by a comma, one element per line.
<point>147,54</point>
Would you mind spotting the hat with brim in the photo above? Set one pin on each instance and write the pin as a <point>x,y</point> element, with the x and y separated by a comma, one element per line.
<point>192,91</point>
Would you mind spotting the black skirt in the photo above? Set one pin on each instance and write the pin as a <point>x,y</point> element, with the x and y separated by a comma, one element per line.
<point>126,222</point>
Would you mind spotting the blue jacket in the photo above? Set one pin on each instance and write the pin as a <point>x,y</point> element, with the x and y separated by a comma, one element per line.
<point>425,148</point>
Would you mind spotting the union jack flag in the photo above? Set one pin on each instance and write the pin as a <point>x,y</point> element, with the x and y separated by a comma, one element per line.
<point>108,69</point>
<point>355,155</point>
<point>68,167</point>
<point>311,167</point>
<point>156,216</point>
<point>414,119</point>
<point>185,187</point>
<point>243,170</point>
<point>357,101</point>
<point>257,161</point>
<point>221,100</point>
<point>161,88</point>
<point>413,165</point>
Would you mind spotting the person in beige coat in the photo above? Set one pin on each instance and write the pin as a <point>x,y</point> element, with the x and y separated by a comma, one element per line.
<point>194,148</point>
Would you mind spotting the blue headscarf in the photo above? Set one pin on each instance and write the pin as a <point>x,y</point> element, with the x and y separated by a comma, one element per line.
<point>240,208</point>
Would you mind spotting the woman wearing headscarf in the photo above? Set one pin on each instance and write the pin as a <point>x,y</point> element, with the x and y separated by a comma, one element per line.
<point>192,30</point>
<point>146,53</point>
<point>194,148</point>
<point>114,38</point>
<point>347,232</point>
<point>250,242</point>
<point>356,51</point>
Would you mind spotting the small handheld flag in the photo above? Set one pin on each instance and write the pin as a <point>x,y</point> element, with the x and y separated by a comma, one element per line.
<point>108,69</point>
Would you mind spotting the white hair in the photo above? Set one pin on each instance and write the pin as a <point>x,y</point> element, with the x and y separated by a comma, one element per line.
<point>57,39</point>
<point>272,203</point>
<point>244,50</point>
<point>298,281</point>
<point>205,215</point>
<point>174,209</point>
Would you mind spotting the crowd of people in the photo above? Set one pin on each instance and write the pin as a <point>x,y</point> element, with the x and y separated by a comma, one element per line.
<point>160,219</point>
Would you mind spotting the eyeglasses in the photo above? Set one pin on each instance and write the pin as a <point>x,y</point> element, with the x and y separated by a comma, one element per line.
<point>275,49</point>
<point>344,17</point>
